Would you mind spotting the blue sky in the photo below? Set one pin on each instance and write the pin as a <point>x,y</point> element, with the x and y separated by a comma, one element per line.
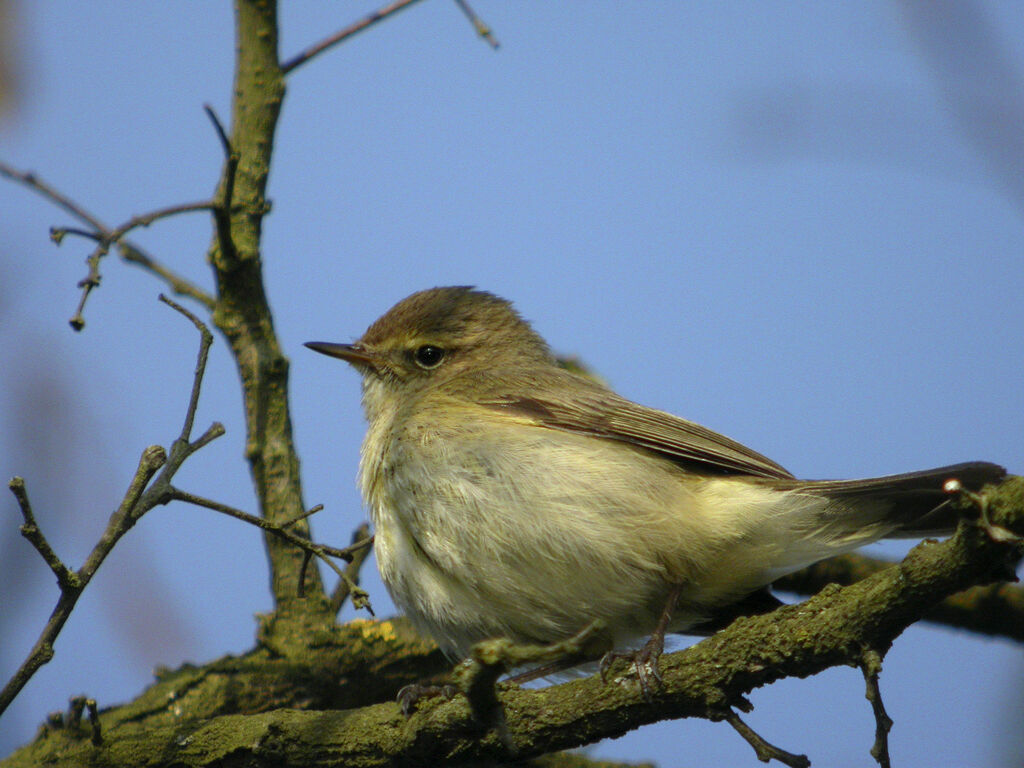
<point>799,224</point>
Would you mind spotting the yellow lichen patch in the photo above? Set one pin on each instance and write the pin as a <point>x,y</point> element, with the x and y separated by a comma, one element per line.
<point>371,629</point>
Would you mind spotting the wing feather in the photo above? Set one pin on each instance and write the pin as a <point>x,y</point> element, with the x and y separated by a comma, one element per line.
<point>602,413</point>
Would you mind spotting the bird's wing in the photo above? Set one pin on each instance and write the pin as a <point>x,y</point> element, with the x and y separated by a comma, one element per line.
<point>604,414</point>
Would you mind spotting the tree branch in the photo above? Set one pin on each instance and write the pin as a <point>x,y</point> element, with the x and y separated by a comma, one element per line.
<point>479,25</point>
<point>871,666</point>
<point>242,311</point>
<point>995,609</point>
<point>364,543</point>
<point>344,34</point>
<point>765,751</point>
<point>222,211</point>
<point>106,236</point>
<point>360,598</point>
<point>30,530</point>
<point>136,502</point>
<point>830,629</point>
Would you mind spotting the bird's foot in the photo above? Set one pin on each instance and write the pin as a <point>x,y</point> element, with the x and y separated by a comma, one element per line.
<point>645,661</point>
<point>410,696</point>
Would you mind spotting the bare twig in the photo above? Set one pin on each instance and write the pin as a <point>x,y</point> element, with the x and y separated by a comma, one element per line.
<point>344,34</point>
<point>144,492</point>
<point>205,342</point>
<point>222,210</point>
<point>30,530</point>
<point>762,748</point>
<point>114,236</point>
<point>83,705</point>
<point>131,254</point>
<point>871,665</point>
<point>33,182</point>
<point>306,557</point>
<point>479,25</point>
<point>57,234</point>
<point>364,541</point>
<point>103,234</point>
<point>360,598</point>
<point>152,459</point>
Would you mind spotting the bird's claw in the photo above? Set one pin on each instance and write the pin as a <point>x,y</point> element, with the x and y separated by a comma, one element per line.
<point>645,661</point>
<point>411,695</point>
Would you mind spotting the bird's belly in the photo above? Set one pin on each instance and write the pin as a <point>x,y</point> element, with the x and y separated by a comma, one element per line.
<point>532,544</point>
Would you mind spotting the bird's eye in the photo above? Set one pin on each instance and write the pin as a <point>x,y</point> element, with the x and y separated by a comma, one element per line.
<point>428,356</point>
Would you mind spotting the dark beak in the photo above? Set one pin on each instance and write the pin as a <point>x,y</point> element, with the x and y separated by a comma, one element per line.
<point>350,353</point>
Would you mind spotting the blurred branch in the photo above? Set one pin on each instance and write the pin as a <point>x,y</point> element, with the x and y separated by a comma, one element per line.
<point>994,609</point>
<point>979,87</point>
<point>140,497</point>
<point>479,25</point>
<point>980,84</point>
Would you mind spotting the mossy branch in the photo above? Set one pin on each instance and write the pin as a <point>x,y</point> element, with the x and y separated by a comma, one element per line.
<point>832,628</point>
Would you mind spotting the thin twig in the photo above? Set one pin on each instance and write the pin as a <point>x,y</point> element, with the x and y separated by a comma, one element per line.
<point>57,234</point>
<point>479,25</point>
<point>130,252</point>
<point>299,518</point>
<point>762,748</point>
<point>33,182</point>
<point>360,598</point>
<point>205,342</point>
<point>114,236</point>
<point>871,665</point>
<point>364,541</point>
<point>222,210</point>
<point>145,491</point>
<point>176,494</point>
<point>70,591</point>
<point>30,530</point>
<point>344,34</point>
<point>179,285</point>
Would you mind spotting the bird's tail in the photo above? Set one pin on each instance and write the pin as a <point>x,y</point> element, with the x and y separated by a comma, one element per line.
<point>914,504</point>
<point>823,518</point>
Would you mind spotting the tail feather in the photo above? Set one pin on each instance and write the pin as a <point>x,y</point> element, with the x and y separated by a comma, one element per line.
<point>915,502</point>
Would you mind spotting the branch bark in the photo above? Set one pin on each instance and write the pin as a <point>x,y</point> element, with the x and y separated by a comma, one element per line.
<point>992,609</point>
<point>242,312</point>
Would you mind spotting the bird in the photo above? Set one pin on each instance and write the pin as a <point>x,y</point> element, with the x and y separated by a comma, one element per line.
<point>512,497</point>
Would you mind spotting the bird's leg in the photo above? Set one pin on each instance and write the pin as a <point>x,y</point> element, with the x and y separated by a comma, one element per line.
<point>546,670</point>
<point>586,645</point>
<point>490,659</point>
<point>645,659</point>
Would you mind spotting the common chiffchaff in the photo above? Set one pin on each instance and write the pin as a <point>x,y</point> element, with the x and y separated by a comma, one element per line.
<point>514,498</point>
